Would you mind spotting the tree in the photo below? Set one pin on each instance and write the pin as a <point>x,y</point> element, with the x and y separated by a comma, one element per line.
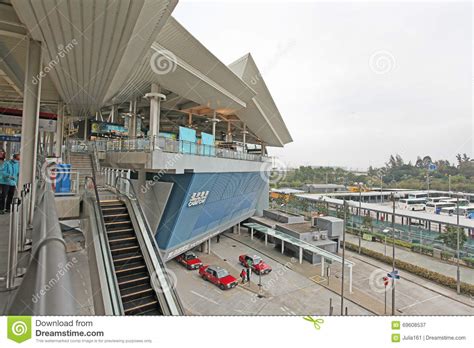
<point>450,237</point>
<point>367,222</point>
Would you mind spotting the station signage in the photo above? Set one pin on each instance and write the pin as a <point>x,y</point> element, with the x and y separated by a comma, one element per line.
<point>45,125</point>
<point>198,198</point>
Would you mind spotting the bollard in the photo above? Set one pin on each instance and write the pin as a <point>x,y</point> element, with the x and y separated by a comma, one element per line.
<point>12,266</point>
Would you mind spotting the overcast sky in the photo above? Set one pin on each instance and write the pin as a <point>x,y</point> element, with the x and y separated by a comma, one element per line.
<point>354,82</point>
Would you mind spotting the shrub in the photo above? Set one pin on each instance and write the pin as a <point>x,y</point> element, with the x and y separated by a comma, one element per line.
<point>414,269</point>
<point>469,261</point>
<point>423,249</point>
<point>446,255</point>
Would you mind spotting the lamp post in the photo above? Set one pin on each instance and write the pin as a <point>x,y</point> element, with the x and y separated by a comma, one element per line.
<point>393,253</point>
<point>381,188</point>
<point>458,229</point>
<point>343,256</point>
<point>360,214</point>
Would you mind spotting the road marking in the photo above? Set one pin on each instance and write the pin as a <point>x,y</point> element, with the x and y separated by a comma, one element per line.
<point>419,302</point>
<point>204,297</point>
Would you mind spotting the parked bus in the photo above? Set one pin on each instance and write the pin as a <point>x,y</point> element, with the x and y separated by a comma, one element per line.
<point>448,211</point>
<point>436,199</point>
<point>462,202</point>
<point>418,195</point>
<point>436,207</point>
<point>412,204</point>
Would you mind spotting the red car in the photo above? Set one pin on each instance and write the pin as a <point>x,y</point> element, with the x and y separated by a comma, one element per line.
<point>256,263</point>
<point>190,260</point>
<point>218,276</point>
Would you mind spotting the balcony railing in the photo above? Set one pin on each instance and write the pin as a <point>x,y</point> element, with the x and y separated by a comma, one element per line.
<point>173,146</point>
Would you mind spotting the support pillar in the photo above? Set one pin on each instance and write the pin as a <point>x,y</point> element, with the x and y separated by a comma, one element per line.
<point>30,121</point>
<point>282,246</point>
<point>214,122</point>
<point>209,248</point>
<point>59,129</point>
<point>266,238</point>
<point>251,233</point>
<point>86,126</point>
<point>301,255</point>
<point>155,100</point>
<point>322,266</point>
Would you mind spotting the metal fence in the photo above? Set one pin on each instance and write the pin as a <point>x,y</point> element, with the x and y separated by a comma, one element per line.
<point>170,145</point>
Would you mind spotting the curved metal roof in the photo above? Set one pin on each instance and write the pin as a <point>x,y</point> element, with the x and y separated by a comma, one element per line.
<point>106,38</point>
<point>261,115</point>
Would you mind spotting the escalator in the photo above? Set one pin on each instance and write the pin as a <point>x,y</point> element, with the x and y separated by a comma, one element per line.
<point>133,278</point>
<point>128,276</point>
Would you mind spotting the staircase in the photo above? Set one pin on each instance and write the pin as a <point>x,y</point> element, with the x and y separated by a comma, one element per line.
<point>82,163</point>
<point>137,294</point>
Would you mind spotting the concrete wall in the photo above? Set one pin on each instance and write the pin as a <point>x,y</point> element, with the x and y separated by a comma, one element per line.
<point>332,225</point>
<point>283,217</point>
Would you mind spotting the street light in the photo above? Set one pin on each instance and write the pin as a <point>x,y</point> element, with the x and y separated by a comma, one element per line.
<point>360,213</point>
<point>393,253</point>
<point>343,256</point>
<point>458,229</point>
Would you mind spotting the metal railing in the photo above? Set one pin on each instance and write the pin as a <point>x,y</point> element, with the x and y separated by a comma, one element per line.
<point>162,282</point>
<point>173,146</point>
<point>46,287</point>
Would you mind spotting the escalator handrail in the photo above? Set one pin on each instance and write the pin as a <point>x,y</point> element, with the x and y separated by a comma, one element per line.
<point>108,262</point>
<point>178,310</point>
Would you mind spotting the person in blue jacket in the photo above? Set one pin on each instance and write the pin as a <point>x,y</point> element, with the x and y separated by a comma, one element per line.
<point>3,181</point>
<point>10,174</point>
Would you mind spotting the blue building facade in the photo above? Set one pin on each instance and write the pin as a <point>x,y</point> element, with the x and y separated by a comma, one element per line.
<point>203,203</point>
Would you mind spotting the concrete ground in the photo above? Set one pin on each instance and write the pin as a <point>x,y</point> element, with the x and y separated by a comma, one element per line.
<point>299,289</point>
<point>286,292</point>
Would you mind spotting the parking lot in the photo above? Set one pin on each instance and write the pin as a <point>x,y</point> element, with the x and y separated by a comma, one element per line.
<point>285,291</point>
<point>293,289</point>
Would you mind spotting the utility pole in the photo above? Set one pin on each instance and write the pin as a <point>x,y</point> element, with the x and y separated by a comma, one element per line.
<point>381,188</point>
<point>343,256</point>
<point>458,271</point>
<point>393,254</point>
<point>360,215</point>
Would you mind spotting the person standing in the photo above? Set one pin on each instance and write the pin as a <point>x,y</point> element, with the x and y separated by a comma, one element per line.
<point>11,173</point>
<point>249,270</point>
<point>243,274</point>
<point>3,185</point>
